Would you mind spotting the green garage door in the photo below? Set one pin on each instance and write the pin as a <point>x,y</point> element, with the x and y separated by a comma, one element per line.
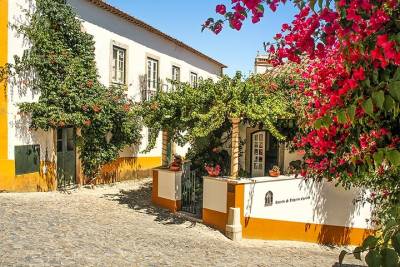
<point>66,157</point>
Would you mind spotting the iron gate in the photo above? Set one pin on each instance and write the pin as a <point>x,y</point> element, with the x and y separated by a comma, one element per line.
<point>192,191</point>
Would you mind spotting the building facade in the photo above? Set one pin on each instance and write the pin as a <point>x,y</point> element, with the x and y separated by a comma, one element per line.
<point>262,64</point>
<point>128,52</point>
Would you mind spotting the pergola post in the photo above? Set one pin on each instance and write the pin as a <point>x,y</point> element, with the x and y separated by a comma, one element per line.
<point>164,157</point>
<point>235,148</point>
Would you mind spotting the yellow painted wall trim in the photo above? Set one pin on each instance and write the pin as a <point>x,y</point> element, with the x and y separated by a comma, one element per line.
<point>172,205</point>
<point>128,168</point>
<point>31,182</point>
<point>119,170</point>
<point>257,228</point>
<point>215,219</point>
<point>3,86</point>
<point>6,166</point>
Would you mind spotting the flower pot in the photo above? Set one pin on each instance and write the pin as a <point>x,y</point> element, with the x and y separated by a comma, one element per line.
<point>274,173</point>
<point>175,168</point>
<point>213,173</point>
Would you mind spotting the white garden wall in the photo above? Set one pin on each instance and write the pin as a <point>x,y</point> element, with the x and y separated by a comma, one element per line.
<point>298,200</point>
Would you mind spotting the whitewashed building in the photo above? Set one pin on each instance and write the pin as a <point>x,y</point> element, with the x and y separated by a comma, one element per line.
<point>128,52</point>
<point>262,64</point>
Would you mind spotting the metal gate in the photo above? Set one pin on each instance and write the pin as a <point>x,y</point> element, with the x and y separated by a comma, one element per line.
<point>192,191</point>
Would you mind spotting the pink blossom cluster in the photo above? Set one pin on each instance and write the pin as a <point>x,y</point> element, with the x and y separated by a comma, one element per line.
<point>213,171</point>
<point>239,12</point>
<point>348,51</point>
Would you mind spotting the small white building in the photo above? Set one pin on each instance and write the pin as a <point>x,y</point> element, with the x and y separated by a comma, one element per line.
<point>128,52</point>
<point>262,64</point>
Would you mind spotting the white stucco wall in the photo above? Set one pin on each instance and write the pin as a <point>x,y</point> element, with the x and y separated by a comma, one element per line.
<point>215,194</point>
<point>260,69</point>
<point>169,184</point>
<point>296,200</point>
<point>289,157</point>
<point>182,150</point>
<point>105,28</point>
<point>18,124</point>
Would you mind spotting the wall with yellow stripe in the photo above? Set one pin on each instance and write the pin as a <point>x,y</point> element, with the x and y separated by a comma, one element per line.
<point>120,170</point>
<point>124,168</point>
<point>6,166</point>
<point>127,168</point>
<point>8,180</point>
<point>261,222</point>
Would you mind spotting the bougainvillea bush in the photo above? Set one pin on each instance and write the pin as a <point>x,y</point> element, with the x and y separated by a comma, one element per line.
<point>60,65</point>
<point>350,125</point>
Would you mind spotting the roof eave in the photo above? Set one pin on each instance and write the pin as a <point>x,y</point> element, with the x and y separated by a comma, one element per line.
<point>146,26</point>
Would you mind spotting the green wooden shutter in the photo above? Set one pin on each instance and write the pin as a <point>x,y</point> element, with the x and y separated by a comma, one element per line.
<point>27,159</point>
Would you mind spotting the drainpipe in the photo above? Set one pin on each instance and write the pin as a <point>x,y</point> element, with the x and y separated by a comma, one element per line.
<point>235,148</point>
<point>164,157</point>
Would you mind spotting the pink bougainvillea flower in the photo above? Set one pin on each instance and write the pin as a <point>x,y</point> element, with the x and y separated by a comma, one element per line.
<point>359,74</point>
<point>218,28</point>
<point>221,9</point>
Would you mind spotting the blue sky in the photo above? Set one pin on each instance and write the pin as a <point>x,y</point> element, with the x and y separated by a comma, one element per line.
<point>182,19</point>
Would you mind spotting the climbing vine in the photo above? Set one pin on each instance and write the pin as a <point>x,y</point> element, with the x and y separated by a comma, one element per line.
<point>60,65</point>
<point>201,115</point>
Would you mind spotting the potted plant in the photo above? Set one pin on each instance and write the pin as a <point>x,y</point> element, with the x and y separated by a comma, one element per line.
<point>176,165</point>
<point>275,171</point>
<point>213,171</point>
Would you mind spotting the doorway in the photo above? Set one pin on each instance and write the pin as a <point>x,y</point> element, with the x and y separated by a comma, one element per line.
<point>66,157</point>
<point>258,154</point>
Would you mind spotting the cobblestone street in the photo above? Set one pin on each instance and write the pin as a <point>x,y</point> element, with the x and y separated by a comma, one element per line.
<point>117,226</point>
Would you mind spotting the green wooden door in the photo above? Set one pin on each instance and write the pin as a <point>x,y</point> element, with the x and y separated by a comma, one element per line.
<point>66,159</point>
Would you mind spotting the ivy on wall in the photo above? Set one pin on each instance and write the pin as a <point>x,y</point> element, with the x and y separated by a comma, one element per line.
<point>60,65</point>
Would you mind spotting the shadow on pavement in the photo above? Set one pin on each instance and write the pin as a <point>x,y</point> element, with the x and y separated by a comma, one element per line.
<point>347,265</point>
<point>140,200</point>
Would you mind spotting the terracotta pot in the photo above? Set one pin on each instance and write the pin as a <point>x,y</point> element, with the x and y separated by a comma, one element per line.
<point>274,173</point>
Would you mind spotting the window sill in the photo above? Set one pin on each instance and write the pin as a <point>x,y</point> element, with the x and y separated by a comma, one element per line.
<point>119,84</point>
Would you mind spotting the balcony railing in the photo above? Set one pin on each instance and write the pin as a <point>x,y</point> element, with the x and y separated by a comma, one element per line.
<point>152,87</point>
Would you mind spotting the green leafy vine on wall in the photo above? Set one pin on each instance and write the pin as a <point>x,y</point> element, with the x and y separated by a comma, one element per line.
<point>200,116</point>
<point>60,65</point>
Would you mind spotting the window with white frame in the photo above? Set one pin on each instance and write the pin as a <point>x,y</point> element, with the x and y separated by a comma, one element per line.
<point>152,73</point>
<point>176,75</point>
<point>119,65</point>
<point>193,79</point>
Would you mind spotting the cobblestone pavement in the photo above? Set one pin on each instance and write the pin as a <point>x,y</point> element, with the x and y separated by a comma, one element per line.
<point>117,226</point>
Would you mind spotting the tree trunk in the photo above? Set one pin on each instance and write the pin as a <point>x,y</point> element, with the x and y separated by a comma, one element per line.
<point>164,157</point>
<point>235,148</point>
